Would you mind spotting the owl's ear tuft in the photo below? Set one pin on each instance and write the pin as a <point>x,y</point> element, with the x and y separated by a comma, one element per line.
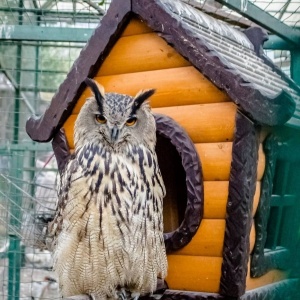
<point>98,91</point>
<point>140,98</point>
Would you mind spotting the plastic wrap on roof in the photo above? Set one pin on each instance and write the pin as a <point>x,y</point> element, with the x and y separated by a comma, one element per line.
<point>198,19</point>
<point>233,47</point>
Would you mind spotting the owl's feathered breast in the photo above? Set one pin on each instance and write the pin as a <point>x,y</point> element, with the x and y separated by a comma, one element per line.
<point>110,221</point>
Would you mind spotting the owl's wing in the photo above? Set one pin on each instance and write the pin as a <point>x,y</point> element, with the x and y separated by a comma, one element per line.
<point>71,172</point>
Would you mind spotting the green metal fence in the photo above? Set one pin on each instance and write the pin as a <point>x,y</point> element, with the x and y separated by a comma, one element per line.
<point>27,198</point>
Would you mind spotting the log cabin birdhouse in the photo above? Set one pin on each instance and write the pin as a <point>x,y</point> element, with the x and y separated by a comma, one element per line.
<point>225,118</point>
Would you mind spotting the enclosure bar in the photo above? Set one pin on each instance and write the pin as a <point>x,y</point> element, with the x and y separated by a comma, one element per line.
<point>283,190</point>
<point>14,254</point>
<point>17,95</point>
<point>264,19</point>
<point>42,34</point>
<point>45,12</point>
<point>295,65</point>
<point>25,147</point>
<point>276,43</point>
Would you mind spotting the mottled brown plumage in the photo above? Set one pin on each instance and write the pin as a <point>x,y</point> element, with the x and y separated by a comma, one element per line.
<point>108,229</point>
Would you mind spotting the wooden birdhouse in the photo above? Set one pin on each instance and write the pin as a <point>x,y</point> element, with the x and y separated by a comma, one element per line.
<point>226,118</point>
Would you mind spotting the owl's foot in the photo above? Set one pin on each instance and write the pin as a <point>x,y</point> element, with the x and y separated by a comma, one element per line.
<point>123,294</point>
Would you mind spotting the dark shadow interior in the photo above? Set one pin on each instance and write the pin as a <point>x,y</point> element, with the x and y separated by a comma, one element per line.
<point>175,181</point>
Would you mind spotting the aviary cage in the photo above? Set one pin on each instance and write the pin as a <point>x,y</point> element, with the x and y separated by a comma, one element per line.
<point>39,41</point>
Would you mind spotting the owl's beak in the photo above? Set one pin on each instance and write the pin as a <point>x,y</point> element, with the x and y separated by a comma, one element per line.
<point>114,134</point>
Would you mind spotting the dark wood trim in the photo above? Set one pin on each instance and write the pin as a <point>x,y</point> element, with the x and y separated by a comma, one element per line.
<point>260,107</point>
<point>264,260</point>
<point>259,265</point>
<point>42,129</point>
<point>286,289</point>
<point>242,184</point>
<point>169,129</point>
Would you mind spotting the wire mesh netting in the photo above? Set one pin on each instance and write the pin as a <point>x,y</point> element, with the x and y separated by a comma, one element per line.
<point>27,201</point>
<point>31,70</point>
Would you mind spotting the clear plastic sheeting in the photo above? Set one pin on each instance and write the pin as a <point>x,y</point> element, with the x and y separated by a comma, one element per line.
<point>199,19</point>
<point>233,46</point>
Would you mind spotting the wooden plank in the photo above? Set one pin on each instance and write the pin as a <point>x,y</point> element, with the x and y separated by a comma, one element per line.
<point>194,273</point>
<point>174,87</point>
<point>208,241</point>
<point>136,26</point>
<point>215,199</point>
<point>215,159</point>
<point>207,123</point>
<point>138,53</point>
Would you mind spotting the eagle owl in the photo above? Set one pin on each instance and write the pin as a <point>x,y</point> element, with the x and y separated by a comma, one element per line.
<point>108,229</point>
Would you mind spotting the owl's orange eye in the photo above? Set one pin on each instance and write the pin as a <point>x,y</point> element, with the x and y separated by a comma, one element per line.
<point>131,121</point>
<point>100,119</point>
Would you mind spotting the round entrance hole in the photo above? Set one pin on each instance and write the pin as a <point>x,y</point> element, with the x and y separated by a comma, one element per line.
<point>182,175</point>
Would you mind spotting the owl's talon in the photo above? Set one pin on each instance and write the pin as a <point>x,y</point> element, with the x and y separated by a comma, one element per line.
<point>122,294</point>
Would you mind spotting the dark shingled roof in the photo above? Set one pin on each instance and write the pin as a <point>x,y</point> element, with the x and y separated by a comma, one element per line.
<point>231,59</point>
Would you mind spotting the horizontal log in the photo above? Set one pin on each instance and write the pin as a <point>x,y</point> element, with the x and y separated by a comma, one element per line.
<point>215,159</point>
<point>174,87</point>
<point>216,196</point>
<point>208,240</point>
<point>204,123</point>
<point>136,26</point>
<point>194,273</point>
<point>138,53</point>
<point>215,199</point>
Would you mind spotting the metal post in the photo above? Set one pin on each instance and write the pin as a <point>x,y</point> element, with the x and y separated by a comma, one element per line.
<point>17,96</point>
<point>295,65</point>
<point>18,82</point>
<point>14,252</point>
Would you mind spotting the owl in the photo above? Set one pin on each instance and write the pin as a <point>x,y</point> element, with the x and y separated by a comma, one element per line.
<point>107,234</point>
